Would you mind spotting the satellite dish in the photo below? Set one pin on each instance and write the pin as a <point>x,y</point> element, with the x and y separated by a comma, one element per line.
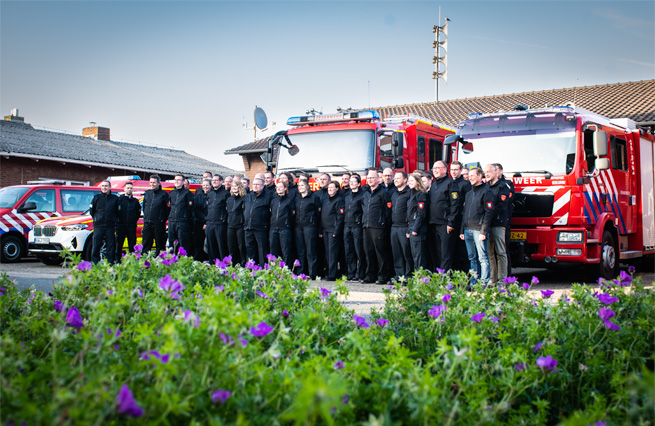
<point>260,118</point>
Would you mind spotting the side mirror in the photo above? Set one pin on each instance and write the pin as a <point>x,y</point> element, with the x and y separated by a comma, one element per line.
<point>398,163</point>
<point>600,143</point>
<point>397,144</point>
<point>602,163</point>
<point>30,205</point>
<point>293,150</point>
<point>467,148</point>
<point>451,139</point>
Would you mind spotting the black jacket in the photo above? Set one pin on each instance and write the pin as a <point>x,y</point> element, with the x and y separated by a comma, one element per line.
<point>444,202</point>
<point>464,187</point>
<point>200,206</point>
<point>217,206</point>
<point>181,201</point>
<point>307,210</point>
<point>399,207</point>
<point>417,213</point>
<point>478,209</point>
<point>104,209</point>
<point>155,206</point>
<point>235,205</point>
<point>129,211</point>
<point>510,202</point>
<point>354,208</point>
<point>257,213</point>
<point>500,193</point>
<point>332,213</point>
<point>283,212</point>
<point>377,208</point>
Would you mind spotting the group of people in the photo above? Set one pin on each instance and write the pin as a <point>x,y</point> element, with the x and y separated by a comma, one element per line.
<point>377,232</point>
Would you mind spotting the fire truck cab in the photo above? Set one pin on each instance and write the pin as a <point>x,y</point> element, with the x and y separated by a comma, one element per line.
<point>584,184</point>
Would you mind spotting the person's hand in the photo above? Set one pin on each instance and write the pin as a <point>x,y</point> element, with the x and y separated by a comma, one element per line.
<point>461,236</point>
<point>482,237</point>
<point>449,229</point>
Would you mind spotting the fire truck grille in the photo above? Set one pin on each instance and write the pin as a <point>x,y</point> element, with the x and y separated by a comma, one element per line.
<point>48,231</point>
<point>533,205</point>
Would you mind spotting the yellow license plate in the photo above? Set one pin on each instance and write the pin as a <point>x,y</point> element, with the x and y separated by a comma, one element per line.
<point>518,236</point>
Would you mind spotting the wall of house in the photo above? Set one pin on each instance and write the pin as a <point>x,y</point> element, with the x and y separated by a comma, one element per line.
<point>253,164</point>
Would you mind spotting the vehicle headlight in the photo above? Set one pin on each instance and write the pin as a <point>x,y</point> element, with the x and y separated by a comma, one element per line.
<point>569,237</point>
<point>76,227</point>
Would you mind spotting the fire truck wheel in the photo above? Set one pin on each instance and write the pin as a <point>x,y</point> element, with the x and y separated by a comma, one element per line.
<point>51,260</point>
<point>608,267</point>
<point>88,247</point>
<point>12,249</point>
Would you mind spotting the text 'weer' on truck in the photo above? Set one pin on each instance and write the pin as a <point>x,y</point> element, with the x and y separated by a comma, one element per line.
<point>584,184</point>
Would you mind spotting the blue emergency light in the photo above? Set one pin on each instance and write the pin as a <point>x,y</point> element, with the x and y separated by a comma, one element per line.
<point>333,118</point>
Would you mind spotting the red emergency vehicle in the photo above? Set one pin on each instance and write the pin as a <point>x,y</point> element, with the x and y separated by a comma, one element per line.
<point>584,184</point>
<point>355,141</point>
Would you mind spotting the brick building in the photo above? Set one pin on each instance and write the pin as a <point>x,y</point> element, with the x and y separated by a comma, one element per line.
<point>28,154</point>
<point>252,155</point>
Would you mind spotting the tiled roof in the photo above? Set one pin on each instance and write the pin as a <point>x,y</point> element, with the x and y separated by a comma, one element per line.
<point>634,100</point>
<point>260,145</point>
<point>22,139</point>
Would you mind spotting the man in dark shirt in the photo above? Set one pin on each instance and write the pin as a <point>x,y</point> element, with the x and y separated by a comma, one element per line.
<point>181,216</point>
<point>496,247</point>
<point>155,214</point>
<point>216,229</point>
<point>104,209</point>
<point>257,216</point>
<point>460,258</point>
<point>444,209</point>
<point>376,220</point>
<point>129,211</point>
<point>200,202</point>
<point>402,253</point>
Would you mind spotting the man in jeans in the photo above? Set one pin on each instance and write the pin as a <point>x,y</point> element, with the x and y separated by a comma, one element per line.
<point>476,221</point>
<point>496,247</point>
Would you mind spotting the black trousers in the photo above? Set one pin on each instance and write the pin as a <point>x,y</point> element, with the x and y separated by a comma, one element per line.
<point>306,245</point>
<point>402,252</point>
<point>154,231</point>
<point>281,241</point>
<point>121,234</point>
<point>103,234</point>
<point>180,231</point>
<point>331,242</point>
<point>199,242</point>
<point>257,245</point>
<point>444,244</point>
<point>375,248</point>
<point>216,235</point>
<point>417,245</point>
<point>236,245</point>
<point>353,239</point>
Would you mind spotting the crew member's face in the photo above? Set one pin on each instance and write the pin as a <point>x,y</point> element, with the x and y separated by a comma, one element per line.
<point>455,171</point>
<point>489,172</point>
<point>245,184</point>
<point>206,175</point>
<point>465,174</point>
<point>332,190</point>
<point>475,178</point>
<point>154,184</point>
<point>411,182</point>
<point>345,181</point>
<point>283,179</point>
<point>235,188</point>
<point>268,179</point>
<point>302,186</point>
<point>228,183</point>
<point>372,179</point>
<point>179,182</point>
<point>387,175</point>
<point>439,169</point>
<point>257,186</point>
<point>399,180</point>
<point>354,183</point>
<point>323,180</point>
<point>216,182</point>
<point>426,181</point>
<point>498,172</point>
<point>280,189</point>
<point>104,188</point>
<point>129,189</point>
<point>206,186</point>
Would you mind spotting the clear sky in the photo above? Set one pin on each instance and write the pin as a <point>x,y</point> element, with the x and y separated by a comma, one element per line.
<point>189,74</point>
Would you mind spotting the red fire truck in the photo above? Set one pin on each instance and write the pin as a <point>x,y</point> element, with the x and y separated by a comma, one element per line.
<point>354,141</point>
<point>584,184</point>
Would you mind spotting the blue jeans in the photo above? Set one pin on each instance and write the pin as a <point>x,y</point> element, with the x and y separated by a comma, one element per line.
<point>477,252</point>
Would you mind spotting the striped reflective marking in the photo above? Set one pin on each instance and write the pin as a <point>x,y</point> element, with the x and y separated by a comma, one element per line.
<point>22,219</point>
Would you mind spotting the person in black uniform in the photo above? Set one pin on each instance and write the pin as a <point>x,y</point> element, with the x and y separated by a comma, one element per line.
<point>287,179</point>
<point>236,239</point>
<point>417,209</point>
<point>181,216</point>
<point>306,232</point>
<point>104,210</point>
<point>155,214</point>
<point>496,245</point>
<point>352,231</point>
<point>331,227</point>
<point>376,219</point>
<point>216,229</point>
<point>400,247</point>
<point>444,209</point>
<point>257,216</point>
<point>460,259</point>
<point>227,183</point>
<point>283,212</point>
<point>129,211</point>
<point>269,182</point>
<point>200,202</point>
<point>509,183</point>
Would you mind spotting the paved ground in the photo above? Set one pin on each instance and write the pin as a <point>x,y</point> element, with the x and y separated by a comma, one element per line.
<point>362,297</point>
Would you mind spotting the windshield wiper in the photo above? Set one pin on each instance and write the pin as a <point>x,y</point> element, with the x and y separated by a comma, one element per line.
<point>545,172</point>
<point>342,166</point>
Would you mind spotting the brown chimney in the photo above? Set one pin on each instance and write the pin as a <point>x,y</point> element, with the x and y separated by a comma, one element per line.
<point>99,133</point>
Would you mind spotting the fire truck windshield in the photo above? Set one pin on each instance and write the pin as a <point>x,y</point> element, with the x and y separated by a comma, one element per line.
<point>352,150</point>
<point>539,151</point>
<point>10,195</point>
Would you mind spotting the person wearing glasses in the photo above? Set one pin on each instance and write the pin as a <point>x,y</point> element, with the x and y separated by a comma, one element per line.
<point>444,211</point>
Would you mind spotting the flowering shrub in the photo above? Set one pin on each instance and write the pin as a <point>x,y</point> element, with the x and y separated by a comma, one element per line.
<point>154,341</point>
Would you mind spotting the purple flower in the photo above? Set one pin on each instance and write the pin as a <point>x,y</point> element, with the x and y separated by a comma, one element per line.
<point>360,321</point>
<point>249,264</point>
<point>510,280</point>
<point>146,264</point>
<point>270,257</point>
<point>170,261</point>
<point>285,313</point>
<point>325,293</point>
<point>624,279</point>
<point>125,403</point>
<point>138,248</point>
<point>441,271</point>
<point>537,347</point>
<point>534,280</point>
<point>59,306</point>
<point>446,298</point>
<point>181,251</point>
<point>191,318</point>
<point>520,367</point>
<point>425,280</point>
<point>478,317</point>
<point>606,314</point>
<point>436,311</point>
<point>261,294</point>
<point>220,395</point>
<point>173,287</point>
<point>303,277</point>
<point>632,269</point>
<point>339,365</point>
<point>147,356</point>
<point>219,289</point>
<point>449,286</point>
<point>382,322</point>
<point>243,341</point>
<point>609,324</point>
<point>607,298</point>
<point>261,330</point>
<point>84,266</point>
<point>226,338</point>
<point>598,423</point>
<point>282,264</point>
<point>345,399</point>
<point>109,292</point>
<point>547,293</point>
<point>494,319</point>
<point>526,286</point>
<point>296,263</point>
<point>547,363</point>
<point>73,317</point>
<point>138,292</point>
